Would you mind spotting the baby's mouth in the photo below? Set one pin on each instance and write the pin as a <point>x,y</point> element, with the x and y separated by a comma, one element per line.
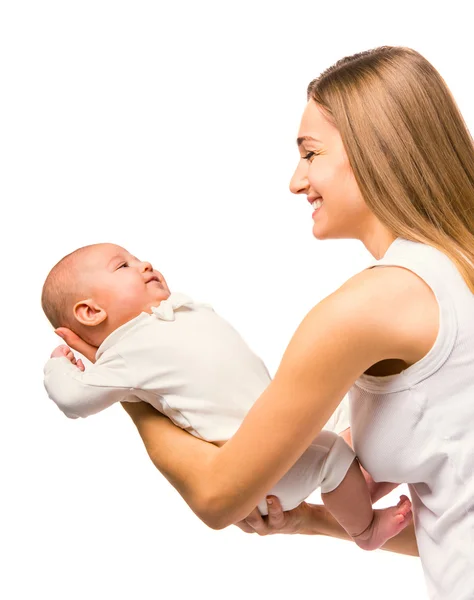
<point>155,279</point>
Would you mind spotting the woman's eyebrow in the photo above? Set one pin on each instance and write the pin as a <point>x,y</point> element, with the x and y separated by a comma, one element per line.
<point>306,138</point>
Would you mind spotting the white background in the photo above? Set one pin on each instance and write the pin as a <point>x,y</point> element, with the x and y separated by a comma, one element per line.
<point>169,128</point>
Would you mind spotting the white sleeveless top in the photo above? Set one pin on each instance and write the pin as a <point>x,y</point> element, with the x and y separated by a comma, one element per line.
<point>417,427</point>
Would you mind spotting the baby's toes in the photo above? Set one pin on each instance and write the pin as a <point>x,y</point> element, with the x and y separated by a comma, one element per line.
<point>404,506</point>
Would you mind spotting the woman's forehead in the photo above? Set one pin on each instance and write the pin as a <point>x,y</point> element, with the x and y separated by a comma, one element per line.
<point>314,124</point>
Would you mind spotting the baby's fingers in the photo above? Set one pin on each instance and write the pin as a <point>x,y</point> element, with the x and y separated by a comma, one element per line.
<point>62,350</point>
<point>78,363</point>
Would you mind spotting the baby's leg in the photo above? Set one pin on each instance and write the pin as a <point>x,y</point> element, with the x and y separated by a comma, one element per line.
<point>324,464</point>
<point>380,489</point>
<point>377,489</point>
<point>350,504</point>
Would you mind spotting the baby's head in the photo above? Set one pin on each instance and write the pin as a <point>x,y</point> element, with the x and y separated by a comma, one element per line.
<point>96,289</point>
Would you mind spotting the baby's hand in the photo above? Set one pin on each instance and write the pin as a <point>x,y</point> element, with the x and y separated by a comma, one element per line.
<point>64,350</point>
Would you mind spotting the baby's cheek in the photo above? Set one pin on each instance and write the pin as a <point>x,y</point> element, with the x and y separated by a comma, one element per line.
<point>129,305</point>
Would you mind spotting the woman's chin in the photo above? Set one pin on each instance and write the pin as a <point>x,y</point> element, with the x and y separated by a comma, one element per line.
<point>320,233</point>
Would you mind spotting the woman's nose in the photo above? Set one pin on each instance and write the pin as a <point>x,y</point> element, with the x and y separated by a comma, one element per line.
<point>299,181</point>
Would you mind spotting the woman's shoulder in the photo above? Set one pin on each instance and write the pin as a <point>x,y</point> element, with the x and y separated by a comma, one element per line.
<point>387,281</point>
<point>396,304</point>
<point>377,315</point>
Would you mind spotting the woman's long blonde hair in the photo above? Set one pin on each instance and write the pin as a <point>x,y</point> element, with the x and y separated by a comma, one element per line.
<point>408,146</point>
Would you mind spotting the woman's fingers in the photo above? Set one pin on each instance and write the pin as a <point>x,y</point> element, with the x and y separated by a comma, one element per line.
<point>276,517</point>
<point>77,343</point>
<point>245,527</point>
<point>256,523</point>
<point>277,520</point>
<point>274,522</point>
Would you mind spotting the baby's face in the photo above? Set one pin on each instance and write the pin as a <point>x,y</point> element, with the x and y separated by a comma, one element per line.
<point>121,284</point>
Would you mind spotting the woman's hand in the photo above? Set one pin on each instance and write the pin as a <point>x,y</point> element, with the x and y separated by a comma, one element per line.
<point>277,521</point>
<point>77,343</point>
<point>314,519</point>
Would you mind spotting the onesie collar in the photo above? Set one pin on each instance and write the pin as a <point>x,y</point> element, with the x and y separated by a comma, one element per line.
<point>166,308</point>
<point>164,311</point>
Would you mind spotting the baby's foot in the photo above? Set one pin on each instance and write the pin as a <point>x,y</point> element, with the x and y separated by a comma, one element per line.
<point>386,523</point>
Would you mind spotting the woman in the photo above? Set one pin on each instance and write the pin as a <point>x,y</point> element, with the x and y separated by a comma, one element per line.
<point>387,159</point>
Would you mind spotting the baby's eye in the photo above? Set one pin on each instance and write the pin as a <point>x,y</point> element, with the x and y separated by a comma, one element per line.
<point>309,156</point>
<point>124,265</point>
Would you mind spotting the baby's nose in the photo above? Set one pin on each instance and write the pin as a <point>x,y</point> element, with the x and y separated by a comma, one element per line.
<point>146,266</point>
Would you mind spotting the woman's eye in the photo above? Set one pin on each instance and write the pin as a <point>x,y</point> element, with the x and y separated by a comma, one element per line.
<point>309,156</point>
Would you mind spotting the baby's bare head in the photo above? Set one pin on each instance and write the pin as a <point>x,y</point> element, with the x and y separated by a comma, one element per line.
<point>98,288</point>
<point>64,286</point>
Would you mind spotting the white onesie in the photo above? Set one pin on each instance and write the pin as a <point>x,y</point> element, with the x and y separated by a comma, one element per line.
<point>192,366</point>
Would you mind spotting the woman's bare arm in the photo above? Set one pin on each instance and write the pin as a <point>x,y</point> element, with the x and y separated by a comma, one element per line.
<point>361,324</point>
<point>306,519</point>
<point>178,455</point>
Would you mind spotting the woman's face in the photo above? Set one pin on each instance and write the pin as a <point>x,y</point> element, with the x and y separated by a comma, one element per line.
<point>324,175</point>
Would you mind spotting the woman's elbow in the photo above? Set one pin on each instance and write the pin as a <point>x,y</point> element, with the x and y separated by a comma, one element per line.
<point>214,522</point>
<point>215,514</point>
<point>215,507</point>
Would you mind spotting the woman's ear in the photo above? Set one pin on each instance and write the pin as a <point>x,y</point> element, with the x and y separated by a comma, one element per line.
<point>89,313</point>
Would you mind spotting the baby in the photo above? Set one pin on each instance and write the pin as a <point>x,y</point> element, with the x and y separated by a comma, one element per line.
<point>191,365</point>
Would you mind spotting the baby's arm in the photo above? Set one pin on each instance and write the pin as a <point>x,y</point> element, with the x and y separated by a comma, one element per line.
<point>80,393</point>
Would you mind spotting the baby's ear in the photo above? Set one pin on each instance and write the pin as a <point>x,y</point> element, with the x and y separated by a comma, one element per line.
<point>89,313</point>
